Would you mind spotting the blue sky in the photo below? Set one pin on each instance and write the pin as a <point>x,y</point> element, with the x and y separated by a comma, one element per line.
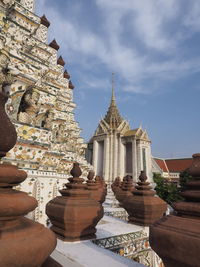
<point>153,48</point>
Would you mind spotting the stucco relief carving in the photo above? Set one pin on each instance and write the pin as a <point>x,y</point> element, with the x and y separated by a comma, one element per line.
<point>48,120</point>
<point>29,107</point>
<point>7,78</point>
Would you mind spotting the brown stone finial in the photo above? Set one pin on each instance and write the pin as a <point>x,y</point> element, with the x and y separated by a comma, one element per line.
<point>44,21</point>
<point>97,180</point>
<point>18,232</point>
<point>76,171</point>
<point>90,175</point>
<point>64,211</point>
<point>143,177</point>
<point>71,86</point>
<point>60,61</point>
<point>101,191</point>
<point>120,186</point>
<point>93,187</point>
<point>103,184</point>
<point>115,185</point>
<point>54,45</point>
<point>176,238</point>
<point>66,75</point>
<point>143,206</point>
<point>126,190</point>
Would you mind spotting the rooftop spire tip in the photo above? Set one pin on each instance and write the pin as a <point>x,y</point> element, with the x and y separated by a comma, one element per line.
<point>113,86</point>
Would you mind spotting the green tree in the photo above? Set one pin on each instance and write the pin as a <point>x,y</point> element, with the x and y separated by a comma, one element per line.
<point>184,178</point>
<point>168,191</point>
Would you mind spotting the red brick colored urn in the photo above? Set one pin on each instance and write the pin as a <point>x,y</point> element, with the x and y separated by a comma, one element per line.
<point>143,206</point>
<point>93,187</point>
<point>74,215</point>
<point>104,185</point>
<point>23,242</point>
<point>126,190</point>
<point>101,189</point>
<point>176,238</point>
<point>118,190</point>
<point>116,184</point>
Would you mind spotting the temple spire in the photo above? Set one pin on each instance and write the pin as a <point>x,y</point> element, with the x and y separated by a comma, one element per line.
<point>113,89</point>
<point>113,117</point>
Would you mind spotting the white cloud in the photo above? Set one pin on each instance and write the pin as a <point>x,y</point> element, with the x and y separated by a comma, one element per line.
<point>192,18</point>
<point>146,17</point>
<point>161,56</point>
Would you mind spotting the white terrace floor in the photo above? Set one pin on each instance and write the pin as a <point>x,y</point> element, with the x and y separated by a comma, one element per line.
<point>88,254</point>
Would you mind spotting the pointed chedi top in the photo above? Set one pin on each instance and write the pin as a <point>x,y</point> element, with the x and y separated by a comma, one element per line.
<point>66,75</point>
<point>71,86</point>
<point>113,117</point>
<point>54,45</point>
<point>44,21</point>
<point>60,61</point>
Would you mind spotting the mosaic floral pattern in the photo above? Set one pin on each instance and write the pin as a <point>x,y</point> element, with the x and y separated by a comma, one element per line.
<point>32,134</point>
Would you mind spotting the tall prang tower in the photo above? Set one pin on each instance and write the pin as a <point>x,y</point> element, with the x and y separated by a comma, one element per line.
<point>116,150</point>
<point>40,105</point>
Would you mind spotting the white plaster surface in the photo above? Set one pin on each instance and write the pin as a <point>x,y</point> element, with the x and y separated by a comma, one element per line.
<point>113,209</point>
<point>110,226</point>
<point>85,253</point>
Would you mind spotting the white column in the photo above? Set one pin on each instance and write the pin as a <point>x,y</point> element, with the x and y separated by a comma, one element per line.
<point>134,160</point>
<point>139,159</point>
<point>95,155</point>
<point>121,159</point>
<point>111,158</point>
<point>149,163</point>
<point>119,156</point>
<point>115,156</point>
<point>106,159</point>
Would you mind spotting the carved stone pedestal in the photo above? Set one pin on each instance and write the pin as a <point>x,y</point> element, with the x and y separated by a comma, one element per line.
<point>143,206</point>
<point>75,214</point>
<point>176,239</point>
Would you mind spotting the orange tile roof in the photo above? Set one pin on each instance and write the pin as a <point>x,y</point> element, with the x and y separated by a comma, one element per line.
<point>161,163</point>
<point>174,165</point>
<point>178,165</point>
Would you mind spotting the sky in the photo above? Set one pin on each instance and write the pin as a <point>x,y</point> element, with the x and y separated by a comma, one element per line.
<point>152,46</point>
